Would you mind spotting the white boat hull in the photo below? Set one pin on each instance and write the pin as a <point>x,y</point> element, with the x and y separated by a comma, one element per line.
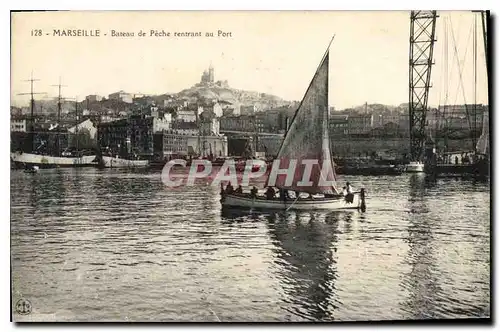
<point>113,162</point>
<point>415,167</point>
<point>42,161</point>
<point>236,201</point>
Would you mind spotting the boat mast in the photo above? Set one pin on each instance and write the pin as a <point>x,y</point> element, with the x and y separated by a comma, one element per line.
<point>484,15</point>
<point>76,125</point>
<point>485,38</point>
<point>198,123</point>
<point>441,128</point>
<point>255,135</point>
<point>32,104</point>
<point>474,138</point>
<point>446,77</point>
<point>32,110</point>
<point>59,98</point>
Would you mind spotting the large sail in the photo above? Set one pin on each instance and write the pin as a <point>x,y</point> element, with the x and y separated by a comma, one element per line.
<point>482,145</point>
<point>307,139</point>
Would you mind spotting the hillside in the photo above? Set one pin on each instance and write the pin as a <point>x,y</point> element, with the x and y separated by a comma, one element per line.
<point>235,96</point>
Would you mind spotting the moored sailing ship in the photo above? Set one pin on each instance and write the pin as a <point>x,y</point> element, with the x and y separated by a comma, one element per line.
<point>32,159</point>
<point>117,162</point>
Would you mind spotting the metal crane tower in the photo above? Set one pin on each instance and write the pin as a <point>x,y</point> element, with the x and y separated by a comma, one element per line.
<point>422,38</point>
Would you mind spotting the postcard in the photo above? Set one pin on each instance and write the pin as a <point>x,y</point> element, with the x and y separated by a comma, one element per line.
<point>250,166</point>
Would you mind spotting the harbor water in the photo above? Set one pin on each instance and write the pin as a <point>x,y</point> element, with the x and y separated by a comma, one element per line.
<point>111,245</point>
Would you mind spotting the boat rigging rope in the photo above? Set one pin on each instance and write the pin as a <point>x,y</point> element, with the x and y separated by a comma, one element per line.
<point>460,69</point>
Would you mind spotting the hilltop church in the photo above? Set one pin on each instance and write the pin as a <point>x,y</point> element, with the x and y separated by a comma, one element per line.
<point>208,76</point>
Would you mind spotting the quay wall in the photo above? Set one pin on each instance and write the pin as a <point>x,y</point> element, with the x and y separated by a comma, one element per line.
<point>364,146</point>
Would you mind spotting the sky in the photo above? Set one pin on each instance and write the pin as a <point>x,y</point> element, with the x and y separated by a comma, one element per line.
<point>272,52</point>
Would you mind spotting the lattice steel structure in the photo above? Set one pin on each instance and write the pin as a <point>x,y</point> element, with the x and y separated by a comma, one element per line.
<point>422,38</point>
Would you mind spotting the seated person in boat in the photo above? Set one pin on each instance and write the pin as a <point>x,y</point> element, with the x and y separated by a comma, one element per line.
<point>253,192</point>
<point>349,198</point>
<point>229,188</point>
<point>270,193</point>
<point>344,191</point>
<point>309,195</point>
<point>283,194</point>
<point>239,190</point>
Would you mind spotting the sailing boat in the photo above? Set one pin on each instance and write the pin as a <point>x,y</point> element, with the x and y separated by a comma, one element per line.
<point>34,161</point>
<point>118,162</point>
<point>483,144</point>
<point>306,139</point>
<point>476,161</point>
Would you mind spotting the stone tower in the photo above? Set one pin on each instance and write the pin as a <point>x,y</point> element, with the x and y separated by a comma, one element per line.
<point>211,75</point>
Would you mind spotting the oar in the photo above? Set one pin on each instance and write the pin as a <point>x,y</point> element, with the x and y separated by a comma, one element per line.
<point>296,199</point>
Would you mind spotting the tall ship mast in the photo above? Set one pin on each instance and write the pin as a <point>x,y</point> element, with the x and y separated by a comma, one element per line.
<point>59,105</point>
<point>35,160</point>
<point>31,127</point>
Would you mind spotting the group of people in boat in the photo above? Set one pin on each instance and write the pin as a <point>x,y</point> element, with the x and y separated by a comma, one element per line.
<point>284,195</point>
<point>463,158</point>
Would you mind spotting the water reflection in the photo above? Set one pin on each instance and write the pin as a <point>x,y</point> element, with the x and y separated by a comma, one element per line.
<point>421,281</point>
<point>305,257</point>
<point>306,244</point>
<point>106,244</point>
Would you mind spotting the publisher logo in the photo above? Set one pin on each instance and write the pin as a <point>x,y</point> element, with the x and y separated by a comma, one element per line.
<point>23,307</point>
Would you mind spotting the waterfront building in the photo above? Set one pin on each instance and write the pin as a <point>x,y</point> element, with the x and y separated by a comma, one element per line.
<point>108,118</point>
<point>180,143</point>
<point>269,144</point>
<point>243,123</point>
<point>214,107</point>
<point>185,128</point>
<point>359,124</point>
<point>18,124</point>
<point>384,117</point>
<point>404,123</point>
<point>133,135</point>
<point>339,125</point>
<point>209,123</point>
<point>93,98</point>
<point>85,125</point>
<point>187,115</point>
<point>457,117</point>
<point>248,109</point>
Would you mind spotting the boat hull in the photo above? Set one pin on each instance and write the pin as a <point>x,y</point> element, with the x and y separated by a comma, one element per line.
<point>113,162</point>
<point>243,202</point>
<point>29,159</point>
<point>478,169</point>
<point>415,167</point>
<point>370,170</point>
